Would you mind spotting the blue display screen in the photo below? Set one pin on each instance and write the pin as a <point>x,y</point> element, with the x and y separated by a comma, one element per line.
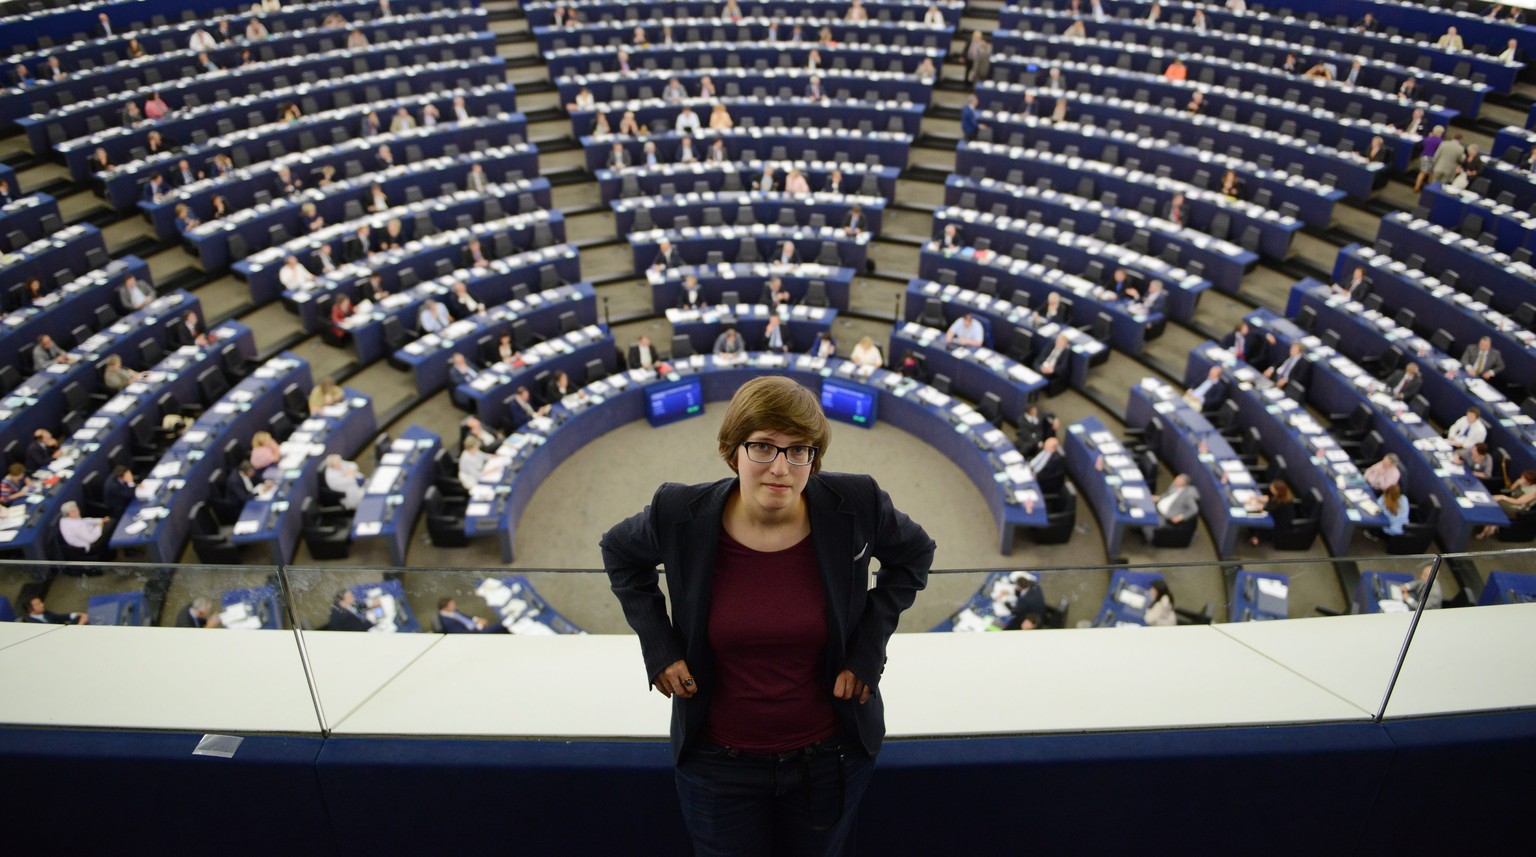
<point>851,403</point>
<point>679,400</point>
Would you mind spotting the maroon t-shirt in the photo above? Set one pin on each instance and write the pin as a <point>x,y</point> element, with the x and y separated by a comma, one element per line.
<point>768,629</point>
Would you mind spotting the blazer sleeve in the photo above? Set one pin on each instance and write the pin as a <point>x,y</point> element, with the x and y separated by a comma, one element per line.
<point>631,553</point>
<point>906,553</point>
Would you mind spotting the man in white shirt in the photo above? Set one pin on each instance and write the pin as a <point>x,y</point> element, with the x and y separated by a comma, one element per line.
<point>344,478</point>
<point>460,112</point>
<point>472,427</point>
<point>967,331</point>
<point>433,317</point>
<point>294,275</point>
<point>202,40</point>
<point>85,534</point>
<point>1469,431</point>
<point>688,121</point>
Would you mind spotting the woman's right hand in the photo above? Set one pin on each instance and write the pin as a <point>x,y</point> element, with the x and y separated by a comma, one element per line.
<point>676,679</point>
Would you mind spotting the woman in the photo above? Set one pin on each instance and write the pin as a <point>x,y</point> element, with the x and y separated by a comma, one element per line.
<point>309,215</point>
<point>926,71</point>
<point>264,450</point>
<point>770,551</point>
<point>327,176</point>
<point>867,354</point>
<point>377,201</point>
<point>341,310</point>
<point>584,100</point>
<point>720,118</point>
<point>1160,612</point>
<point>220,208</point>
<point>15,487</point>
<point>706,87</point>
<point>100,161</point>
<point>1280,502</point>
<point>1396,506</point>
<point>629,125</point>
<point>824,346</point>
<point>600,126</point>
<point>222,165</point>
<point>256,30</point>
<point>34,291</point>
<point>508,352</point>
<point>325,393</point>
<point>291,113</point>
<point>155,144</point>
<point>135,50</point>
<point>115,375</point>
<point>155,107</point>
<point>796,182</point>
<point>1427,156</point>
<point>1231,186</point>
<point>357,40</point>
<point>1517,501</point>
<point>1383,474</point>
<point>185,220</point>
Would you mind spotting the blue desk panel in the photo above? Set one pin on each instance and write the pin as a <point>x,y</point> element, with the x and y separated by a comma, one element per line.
<point>1109,478</point>
<point>747,208</point>
<point>750,144</point>
<point>62,310</point>
<point>747,281</point>
<point>1511,282</point>
<point>800,327</point>
<point>1125,604</point>
<point>716,176</point>
<point>695,245</point>
<point>1508,587</point>
<point>973,372</point>
<point>656,59</point>
<point>392,502</point>
<point>1252,604</point>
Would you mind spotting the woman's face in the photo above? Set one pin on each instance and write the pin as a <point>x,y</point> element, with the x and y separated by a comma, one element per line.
<point>777,485</point>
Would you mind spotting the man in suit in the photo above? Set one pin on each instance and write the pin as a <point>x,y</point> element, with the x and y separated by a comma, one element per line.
<point>474,255</point>
<point>1035,425</point>
<point>433,317</point>
<point>454,622</point>
<point>1354,288</point>
<point>132,116</point>
<point>1056,360</point>
<point>1179,504</point>
<point>134,295</point>
<point>523,401</point>
<point>359,245</point>
<point>117,495</point>
<point>1405,382</point>
<point>47,352</point>
<point>241,485</point>
<point>1447,159</point>
<point>189,331</point>
<point>666,256</point>
<point>184,174</point>
<point>461,304</point>
<point>41,451</point>
<point>460,371</point>
<point>787,254</point>
<point>347,614</point>
<point>774,294</point>
<point>641,354</point>
<point>1208,393</point>
<point>1293,367</point>
<point>1156,298</point>
<point>1483,360</point>
<point>156,188</point>
<point>476,181</point>
<point>285,183</point>
<point>618,157</point>
<point>1120,283</point>
<point>1178,210</point>
<point>103,28</point>
<point>855,222</point>
<point>198,614</point>
<point>1049,465</point>
<point>37,612</point>
<point>970,118</point>
<point>1052,311</point>
<point>692,296</point>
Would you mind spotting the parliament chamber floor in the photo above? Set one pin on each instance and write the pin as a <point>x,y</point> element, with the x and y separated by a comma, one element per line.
<point>545,161</point>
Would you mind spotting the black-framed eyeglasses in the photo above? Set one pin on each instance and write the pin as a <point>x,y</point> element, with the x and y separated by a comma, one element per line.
<point>764,453</point>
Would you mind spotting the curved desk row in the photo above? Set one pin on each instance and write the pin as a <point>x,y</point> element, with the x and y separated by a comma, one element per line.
<point>456,211</point>
<point>75,303</point>
<point>783,83</point>
<point>1228,103</point>
<point>1438,250</point>
<point>750,144</point>
<point>41,401</point>
<point>1338,385</point>
<point>1110,479</point>
<point>103,441</point>
<point>28,219</point>
<point>77,246</point>
<point>896,116</point>
<point>736,244</point>
<point>1313,458</point>
<point>1192,446</point>
<point>393,496</point>
<point>122,186</point>
<point>541,13</point>
<point>273,223</point>
<point>658,58</point>
<point>249,185</point>
<point>1010,328</point>
<point>813,210</point>
<point>1510,227</point>
<point>1076,252</point>
<point>802,326</point>
<point>539,314</point>
<point>490,394</point>
<point>950,426</point>
<point>274,515</point>
<point>159,519</point>
<point>1184,247</point>
<point>747,30</point>
<point>747,281</point>
<point>973,372</point>
<point>735,176</point>
<point>969,268</point>
<point>95,67</point>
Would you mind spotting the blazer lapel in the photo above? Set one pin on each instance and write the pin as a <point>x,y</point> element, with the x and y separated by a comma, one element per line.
<point>831,535</point>
<point>700,537</point>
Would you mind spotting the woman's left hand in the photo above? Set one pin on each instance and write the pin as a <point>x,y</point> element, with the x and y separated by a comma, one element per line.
<point>849,686</point>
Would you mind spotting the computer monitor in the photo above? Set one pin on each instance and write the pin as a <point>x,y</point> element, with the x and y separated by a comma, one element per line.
<point>850,403</point>
<point>677,400</point>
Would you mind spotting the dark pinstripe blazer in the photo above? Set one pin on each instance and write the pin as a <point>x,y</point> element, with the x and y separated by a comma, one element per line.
<point>852,520</point>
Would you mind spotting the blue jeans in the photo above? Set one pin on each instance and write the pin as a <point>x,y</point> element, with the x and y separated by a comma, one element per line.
<point>805,802</point>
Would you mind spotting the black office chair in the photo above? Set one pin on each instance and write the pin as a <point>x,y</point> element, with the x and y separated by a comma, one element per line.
<point>1303,529</point>
<point>932,314</point>
<point>328,537</point>
<point>1060,519</point>
<point>1175,535</point>
<point>445,519</point>
<point>210,541</point>
<point>446,475</point>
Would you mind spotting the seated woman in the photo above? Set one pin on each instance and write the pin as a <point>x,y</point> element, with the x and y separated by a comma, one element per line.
<point>629,125</point>
<point>1159,612</point>
<point>866,353</point>
<point>720,118</point>
<point>265,451</point>
<point>100,161</point>
<point>1396,506</point>
<point>1280,502</point>
<point>186,221</point>
<point>1231,186</point>
<point>325,393</point>
<point>508,352</point>
<point>220,208</point>
<point>1518,501</point>
<point>341,310</point>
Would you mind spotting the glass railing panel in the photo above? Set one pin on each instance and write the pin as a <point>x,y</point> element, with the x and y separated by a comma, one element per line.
<point>1471,649</point>
<point>140,646</point>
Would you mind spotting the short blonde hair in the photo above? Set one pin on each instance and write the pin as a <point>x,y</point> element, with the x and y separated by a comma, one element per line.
<point>779,404</point>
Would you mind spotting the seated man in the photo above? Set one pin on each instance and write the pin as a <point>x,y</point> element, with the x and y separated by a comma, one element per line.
<point>522,399</point>
<point>344,478</point>
<point>1482,359</point>
<point>1244,344</point>
<point>472,427</point>
<point>37,611</point>
<point>1405,382</point>
<point>198,614</point>
<point>641,354</point>
<point>1035,425</point>
<point>117,496</point>
<point>1057,359</point>
<point>1050,466</point>
<point>89,535</point>
<point>433,317</point>
<point>189,331</point>
<point>967,331</point>
<point>42,451</point>
<point>729,344</point>
<point>454,622</point>
<point>241,485</point>
<point>1053,310</point>
<point>1179,504</point>
<point>1293,367</point>
<point>1208,393</point>
<point>692,295</point>
<point>1469,431</point>
<point>347,614</point>
<point>47,352</point>
<point>460,371</point>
